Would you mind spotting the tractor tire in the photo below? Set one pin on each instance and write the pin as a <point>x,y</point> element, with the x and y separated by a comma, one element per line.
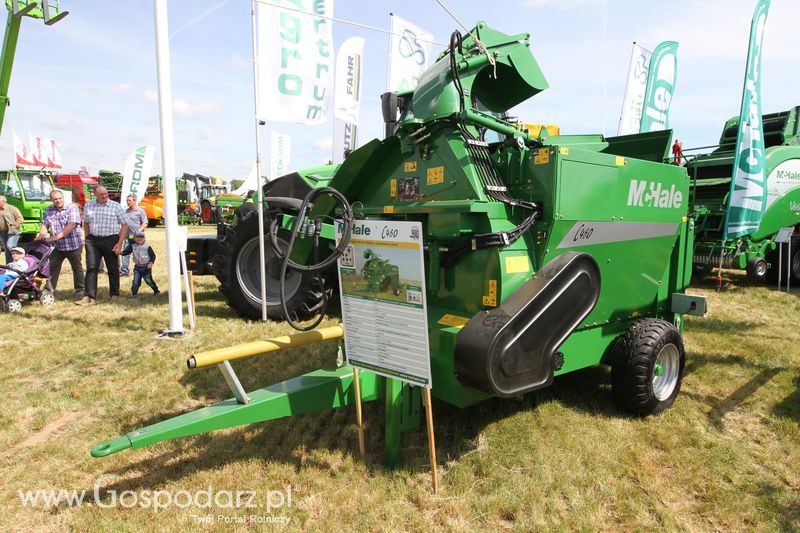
<point>757,269</point>
<point>153,222</point>
<point>207,212</point>
<point>237,269</point>
<point>648,367</point>
<point>772,258</point>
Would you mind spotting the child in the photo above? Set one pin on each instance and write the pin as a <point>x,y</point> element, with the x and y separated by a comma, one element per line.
<point>18,263</point>
<point>143,259</point>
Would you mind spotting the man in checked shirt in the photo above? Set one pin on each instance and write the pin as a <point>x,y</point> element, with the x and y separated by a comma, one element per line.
<point>105,227</point>
<point>64,222</point>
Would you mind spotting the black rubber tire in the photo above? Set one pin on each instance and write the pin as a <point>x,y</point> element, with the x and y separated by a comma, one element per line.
<point>772,259</point>
<point>632,371</point>
<point>757,269</point>
<point>242,289</point>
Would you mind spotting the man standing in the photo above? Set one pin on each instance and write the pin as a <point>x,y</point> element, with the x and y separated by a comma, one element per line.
<point>104,228</point>
<point>10,225</point>
<point>64,222</point>
<point>137,221</point>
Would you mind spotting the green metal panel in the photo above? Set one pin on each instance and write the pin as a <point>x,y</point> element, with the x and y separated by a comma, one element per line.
<point>315,391</point>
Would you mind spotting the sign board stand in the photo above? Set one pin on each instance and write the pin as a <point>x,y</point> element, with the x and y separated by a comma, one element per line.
<point>784,236</point>
<point>359,418</point>
<point>431,440</point>
<point>384,310</point>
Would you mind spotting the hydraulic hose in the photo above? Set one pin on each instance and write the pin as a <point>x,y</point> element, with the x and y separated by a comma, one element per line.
<point>317,266</point>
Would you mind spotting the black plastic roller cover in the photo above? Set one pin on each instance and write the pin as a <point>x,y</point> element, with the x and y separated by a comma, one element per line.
<point>510,350</point>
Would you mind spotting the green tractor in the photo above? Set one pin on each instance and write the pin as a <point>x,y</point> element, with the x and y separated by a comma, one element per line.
<point>757,252</point>
<point>537,261</point>
<point>28,191</point>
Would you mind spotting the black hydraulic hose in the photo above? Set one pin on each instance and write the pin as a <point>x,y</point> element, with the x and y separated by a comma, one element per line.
<point>317,266</point>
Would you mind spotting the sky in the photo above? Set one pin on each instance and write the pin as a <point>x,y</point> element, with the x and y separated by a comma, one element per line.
<point>89,81</point>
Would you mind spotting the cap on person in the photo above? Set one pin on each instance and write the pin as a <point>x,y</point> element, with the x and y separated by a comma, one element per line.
<point>18,250</point>
<point>139,234</point>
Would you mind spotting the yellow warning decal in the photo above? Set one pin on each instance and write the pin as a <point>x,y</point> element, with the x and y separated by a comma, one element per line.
<point>541,156</point>
<point>435,175</point>
<point>393,188</point>
<point>388,209</point>
<point>453,320</point>
<point>620,161</point>
<point>564,151</point>
<point>491,298</point>
<point>517,263</point>
<point>410,166</point>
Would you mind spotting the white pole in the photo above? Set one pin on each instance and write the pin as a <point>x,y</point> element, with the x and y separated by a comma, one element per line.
<point>262,260</point>
<point>168,166</point>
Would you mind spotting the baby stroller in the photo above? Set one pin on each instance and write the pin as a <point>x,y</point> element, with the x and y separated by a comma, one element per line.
<point>29,285</point>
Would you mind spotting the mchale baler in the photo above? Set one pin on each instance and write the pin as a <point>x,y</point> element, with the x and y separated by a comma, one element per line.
<point>543,255</point>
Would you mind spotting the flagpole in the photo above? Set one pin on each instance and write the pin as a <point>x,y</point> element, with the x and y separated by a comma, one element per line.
<point>168,167</point>
<point>260,188</point>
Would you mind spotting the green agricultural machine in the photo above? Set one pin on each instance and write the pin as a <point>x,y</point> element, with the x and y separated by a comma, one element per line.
<point>380,274</point>
<point>543,255</point>
<point>711,180</point>
<point>28,190</point>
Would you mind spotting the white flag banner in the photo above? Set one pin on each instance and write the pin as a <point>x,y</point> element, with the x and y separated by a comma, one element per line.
<point>295,61</point>
<point>22,155</point>
<point>409,54</point>
<point>631,117</point>
<point>347,102</point>
<point>137,173</point>
<point>250,184</point>
<point>280,154</point>
<point>36,146</point>
<point>53,154</point>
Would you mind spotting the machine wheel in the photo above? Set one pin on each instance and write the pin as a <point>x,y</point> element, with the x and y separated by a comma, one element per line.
<point>238,272</point>
<point>47,298</point>
<point>153,222</point>
<point>12,306</point>
<point>207,212</point>
<point>648,367</point>
<point>757,269</point>
<point>772,258</point>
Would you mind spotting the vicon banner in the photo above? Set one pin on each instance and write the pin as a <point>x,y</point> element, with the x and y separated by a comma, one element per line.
<point>137,172</point>
<point>22,155</point>
<point>280,154</point>
<point>347,101</point>
<point>661,80</point>
<point>52,154</point>
<point>409,54</point>
<point>295,61</point>
<point>632,103</point>
<point>749,180</point>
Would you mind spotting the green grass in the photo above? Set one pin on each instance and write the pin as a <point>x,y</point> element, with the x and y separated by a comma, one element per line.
<point>725,457</point>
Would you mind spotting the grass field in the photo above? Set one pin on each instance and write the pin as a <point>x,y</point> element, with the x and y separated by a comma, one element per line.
<point>725,457</point>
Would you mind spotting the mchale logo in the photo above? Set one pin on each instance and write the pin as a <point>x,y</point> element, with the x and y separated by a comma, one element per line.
<point>653,194</point>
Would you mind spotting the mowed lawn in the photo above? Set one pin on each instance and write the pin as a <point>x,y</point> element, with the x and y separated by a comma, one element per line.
<point>725,457</point>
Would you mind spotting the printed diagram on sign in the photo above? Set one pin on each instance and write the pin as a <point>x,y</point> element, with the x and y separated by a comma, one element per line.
<point>380,273</point>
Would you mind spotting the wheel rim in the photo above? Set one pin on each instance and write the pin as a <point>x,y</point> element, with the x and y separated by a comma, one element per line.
<point>48,298</point>
<point>14,306</point>
<point>249,276</point>
<point>206,213</point>
<point>761,269</point>
<point>665,372</point>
